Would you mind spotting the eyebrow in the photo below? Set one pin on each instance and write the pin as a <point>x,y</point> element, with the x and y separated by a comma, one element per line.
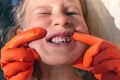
<point>42,7</point>
<point>75,7</point>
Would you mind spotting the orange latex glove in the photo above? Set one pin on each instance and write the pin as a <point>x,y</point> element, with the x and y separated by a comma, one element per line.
<point>103,56</point>
<point>17,59</point>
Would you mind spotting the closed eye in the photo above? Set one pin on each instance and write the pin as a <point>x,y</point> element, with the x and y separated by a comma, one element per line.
<point>44,13</point>
<point>71,13</point>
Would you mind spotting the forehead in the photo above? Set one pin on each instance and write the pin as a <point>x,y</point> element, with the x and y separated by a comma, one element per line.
<point>52,2</point>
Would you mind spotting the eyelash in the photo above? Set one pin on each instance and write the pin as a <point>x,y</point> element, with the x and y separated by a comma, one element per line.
<point>66,13</point>
<point>71,13</point>
<point>45,13</point>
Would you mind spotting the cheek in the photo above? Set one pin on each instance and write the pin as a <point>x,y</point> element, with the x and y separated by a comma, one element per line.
<point>80,24</point>
<point>79,51</point>
<point>36,45</point>
<point>38,22</point>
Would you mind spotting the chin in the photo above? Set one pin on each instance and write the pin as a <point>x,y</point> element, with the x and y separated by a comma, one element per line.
<point>55,62</point>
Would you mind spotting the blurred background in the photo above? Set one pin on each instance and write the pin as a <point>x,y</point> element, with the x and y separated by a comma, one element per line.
<point>6,21</point>
<point>6,18</point>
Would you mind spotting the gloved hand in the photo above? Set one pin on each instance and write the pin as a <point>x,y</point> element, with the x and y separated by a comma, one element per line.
<point>103,56</point>
<point>17,59</point>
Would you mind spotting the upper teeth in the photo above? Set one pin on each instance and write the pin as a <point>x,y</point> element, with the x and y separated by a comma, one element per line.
<point>61,40</point>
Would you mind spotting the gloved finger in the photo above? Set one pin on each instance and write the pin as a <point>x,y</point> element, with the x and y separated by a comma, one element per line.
<point>98,76</point>
<point>86,38</point>
<point>25,37</point>
<point>90,54</point>
<point>107,54</point>
<point>95,50</point>
<point>109,76</point>
<point>23,75</point>
<point>17,54</point>
<point>91,40</point>
<point>17,66</point>
<point>79,64</point>
<point>108,65</point>
<point>34,53</point>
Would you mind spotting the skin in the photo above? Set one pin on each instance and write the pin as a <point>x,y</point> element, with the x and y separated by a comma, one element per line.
<point>57,17</point>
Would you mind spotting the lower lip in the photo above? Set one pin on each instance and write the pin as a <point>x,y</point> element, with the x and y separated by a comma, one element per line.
<point>62,44</point>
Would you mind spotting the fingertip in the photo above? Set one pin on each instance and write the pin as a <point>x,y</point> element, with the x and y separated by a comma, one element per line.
<point>86,38</point>
<point>39,32</point>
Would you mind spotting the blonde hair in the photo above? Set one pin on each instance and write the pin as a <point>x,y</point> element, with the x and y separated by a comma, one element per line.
<point>19,13</point>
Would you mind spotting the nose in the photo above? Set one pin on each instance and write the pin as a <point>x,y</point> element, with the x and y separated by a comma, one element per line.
<point>61,20</point>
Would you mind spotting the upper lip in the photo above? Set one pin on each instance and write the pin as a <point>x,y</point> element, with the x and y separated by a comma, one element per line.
<point>60,34</point>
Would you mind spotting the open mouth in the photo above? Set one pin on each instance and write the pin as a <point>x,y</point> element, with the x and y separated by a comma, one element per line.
<point>64,38</point>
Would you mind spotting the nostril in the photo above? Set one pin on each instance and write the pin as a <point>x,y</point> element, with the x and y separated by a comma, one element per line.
<point>67,23</point>
<point>63,24</point>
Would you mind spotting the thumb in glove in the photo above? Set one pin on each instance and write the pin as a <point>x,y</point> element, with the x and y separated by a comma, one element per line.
<point>102,56</point>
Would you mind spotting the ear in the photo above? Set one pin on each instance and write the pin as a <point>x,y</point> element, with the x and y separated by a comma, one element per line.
<point>19,30</point>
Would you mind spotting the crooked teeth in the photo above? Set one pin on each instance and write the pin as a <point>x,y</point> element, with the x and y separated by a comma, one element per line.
<point>61,40</point>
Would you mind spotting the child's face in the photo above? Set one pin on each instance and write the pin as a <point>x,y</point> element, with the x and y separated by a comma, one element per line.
<point>60,18</point>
